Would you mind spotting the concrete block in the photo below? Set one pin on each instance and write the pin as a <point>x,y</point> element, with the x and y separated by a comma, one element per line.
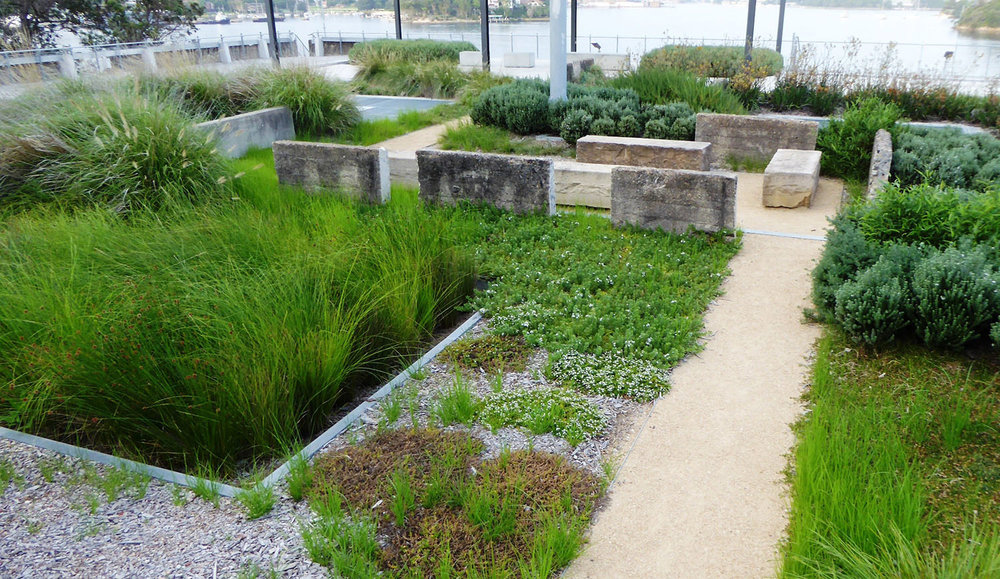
<point>359,171</point>
<point>673,200</point>
<point>583,184</point>
<point>470,58</point>
<point>606,61</point>
<point>791,178</point>
<point>67,66</point>
<point>236,135</point>
<point>878,171</point>
<point>519,60</point>
<point>514,183</point>
<point>749,138</point>
<point>659,153</point>
<point>403,168</point>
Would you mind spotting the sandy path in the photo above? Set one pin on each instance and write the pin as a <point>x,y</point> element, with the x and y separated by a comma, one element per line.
<point>701,494</point>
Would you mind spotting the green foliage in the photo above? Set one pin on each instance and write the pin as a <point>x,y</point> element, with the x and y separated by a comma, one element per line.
<point>603,126</point>
<point>847,252</point>
<point>370,132</point>
<point>957,294</point>
<point>847,144</point>
<point>8,474</point>
<point>659,86</point>
<point>319,106</point>
<point>470,137</point>
<point>995,333</point>
<point>981,15</point>
<point>479,81</point>
<point>629,126</point>
<point>257,501</point>
<point>457,404</point>
<point>404,497</point>
<point>875,305</point>
<point>575,125</point>
<point>521,107</point>
<point>431,79</point>
<point>946,156</point>
<point>933,215</point>
<point>299,477</point>
<point>365,54</point>
<point>176,305</point>
<point>609,375</point>
<point>347,544</point>
<point>559,411</point>
<point>710,61</point>
<point>491,352</point>
<point>117,150</point>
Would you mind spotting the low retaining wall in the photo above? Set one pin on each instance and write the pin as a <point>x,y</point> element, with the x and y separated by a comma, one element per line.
<point>236,135</point>
<point>361,171</point>
<point>583,184</point>
<point>673,200</point>
<point>744,137</point>
<point>878,171</point>
<point>518,184</point>
<point>657,153</point>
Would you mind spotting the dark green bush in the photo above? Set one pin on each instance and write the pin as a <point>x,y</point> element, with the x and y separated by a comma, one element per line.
<point>603,126</point>
<point>575,125</point>
<point>874,307</point>
<point>422,50</point>
<point>629,126</point>
<point>846,253</point>
<point>710,61</point>
<point>521,107</point>
<point>657,129</point>
<point>956,295</point>
<point>946,156</point>
<point>662,86</point>
<point>847,144</point>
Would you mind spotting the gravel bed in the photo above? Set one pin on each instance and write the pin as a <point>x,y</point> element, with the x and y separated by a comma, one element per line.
<point>63,528</point>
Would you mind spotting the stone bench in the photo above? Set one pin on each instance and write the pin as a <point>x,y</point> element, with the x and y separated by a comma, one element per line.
<point>791,178</point>
<point>519,60</point>
<point>656,153</point>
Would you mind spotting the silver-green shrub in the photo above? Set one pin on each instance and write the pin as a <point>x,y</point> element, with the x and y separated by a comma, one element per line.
<point>956,294</point>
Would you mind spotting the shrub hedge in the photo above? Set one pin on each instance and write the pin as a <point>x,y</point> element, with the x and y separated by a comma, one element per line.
<point>421,50</point>
<point>711,61</point>
<point>946,156</point>
<point>847,143</point>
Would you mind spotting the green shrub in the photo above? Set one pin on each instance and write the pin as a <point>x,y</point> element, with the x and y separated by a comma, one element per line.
<point>711,61</point>
<point>956,294</point>
<point>203,93</point>
<point>603,126</point>
<point>521,107</point>
<point>608,375</point>
<point>935,215</point>
<point>657,129</point>
<point>946,156</point>
<point>995,334</point>
<point>477,83</point>
<point>421,50</point>
<point>629,126</point>
<point>662,86</point>
<point>847,144</point>
<point>874,306</point>
<point>319,106</point>
<point>575,126</point>
<point>846,253</point>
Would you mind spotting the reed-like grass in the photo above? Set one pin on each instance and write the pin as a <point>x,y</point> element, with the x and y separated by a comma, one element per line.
<point>220,333</point>
<point>666,85</point>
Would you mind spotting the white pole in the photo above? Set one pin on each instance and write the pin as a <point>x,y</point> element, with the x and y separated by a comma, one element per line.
<point>557,49</point>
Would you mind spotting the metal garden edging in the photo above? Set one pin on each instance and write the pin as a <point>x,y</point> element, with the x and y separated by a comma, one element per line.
<point>280,472</point>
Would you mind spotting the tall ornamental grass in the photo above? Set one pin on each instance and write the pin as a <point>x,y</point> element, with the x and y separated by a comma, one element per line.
<point>221,333</point>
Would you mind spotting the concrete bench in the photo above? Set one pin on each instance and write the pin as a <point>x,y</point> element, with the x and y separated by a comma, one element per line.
<point>656,153</point>
<point>519,60</point>
<point>791,178</point>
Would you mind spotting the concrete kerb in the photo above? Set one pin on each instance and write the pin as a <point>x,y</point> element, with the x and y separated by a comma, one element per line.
<point>279,473</point>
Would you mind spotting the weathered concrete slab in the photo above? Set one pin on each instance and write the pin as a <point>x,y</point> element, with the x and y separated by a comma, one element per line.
<point>519,60</point>
<point>878,171</point>
<point>470,58</point>
<point>658,153</point>
<point>514,183</point>
<point>238,134</point>
<point>745,137</point>
<point>403,168</point>
<point>673,200</point>
<point>790,178</point>
<point>360,171</point>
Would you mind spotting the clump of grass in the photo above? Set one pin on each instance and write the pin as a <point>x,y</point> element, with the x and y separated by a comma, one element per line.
<point>664,86</point>
<point>299,477</point>
<point>319,106</point>
<point>409,67</point>
<point>457,403</point>
<point>369,132</point>
<point>174,306</point>
<point>710,61</point>
<point>497,517</point>
<point>486,139</point>
<point>491,353</point>
<point>894,470</point>
<point>561,412</point>
<point>8,475</point>
<point>257,500</point>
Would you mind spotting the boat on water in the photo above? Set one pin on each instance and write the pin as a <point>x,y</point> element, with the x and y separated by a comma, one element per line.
<point>264,18</point>
<point>220,18</point>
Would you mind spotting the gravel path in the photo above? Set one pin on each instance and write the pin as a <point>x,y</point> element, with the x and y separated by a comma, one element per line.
<point>702,493</point>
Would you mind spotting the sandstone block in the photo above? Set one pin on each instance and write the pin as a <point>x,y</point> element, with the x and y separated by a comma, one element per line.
<point>659,153</point>
<point>791,178</point>
<point>359,171</point>
<point>673,200</point>
<point>745,137</point>
<point>518,184</point>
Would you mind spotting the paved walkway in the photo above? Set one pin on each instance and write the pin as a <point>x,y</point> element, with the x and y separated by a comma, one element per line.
<point>701,494</point>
